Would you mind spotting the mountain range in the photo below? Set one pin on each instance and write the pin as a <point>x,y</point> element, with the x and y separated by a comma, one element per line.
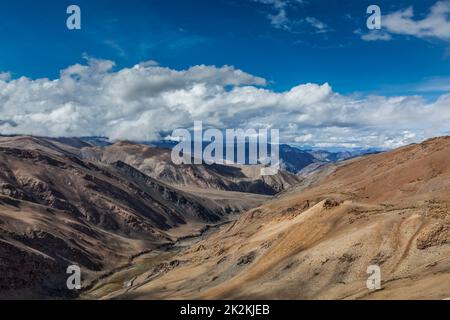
<point>317,240</point>
<point>292,158</point>
<point>141,227</point>
<point>64,201</point>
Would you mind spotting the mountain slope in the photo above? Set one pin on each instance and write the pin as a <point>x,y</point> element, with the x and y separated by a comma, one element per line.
<point>57,210</point>
<point>390,210</point>
<point>156,162</point>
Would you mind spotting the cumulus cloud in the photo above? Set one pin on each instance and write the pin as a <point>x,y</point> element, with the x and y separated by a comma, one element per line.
<point>148,101</point>
<point>435,25</point>
<point>5,76</point>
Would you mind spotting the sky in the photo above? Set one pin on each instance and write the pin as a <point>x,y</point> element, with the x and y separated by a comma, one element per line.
<point>140,69</point>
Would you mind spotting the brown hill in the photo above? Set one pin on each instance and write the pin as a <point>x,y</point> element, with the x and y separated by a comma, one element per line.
<point>57,210</point>
<point>156,162</point>
<point>390,210</point>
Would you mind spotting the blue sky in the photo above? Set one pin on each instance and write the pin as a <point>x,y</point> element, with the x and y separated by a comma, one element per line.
<point>139,69</point>
<point>179,34</point>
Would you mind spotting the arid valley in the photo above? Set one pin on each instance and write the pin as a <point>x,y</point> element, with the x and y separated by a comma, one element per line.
<point>142,228</point>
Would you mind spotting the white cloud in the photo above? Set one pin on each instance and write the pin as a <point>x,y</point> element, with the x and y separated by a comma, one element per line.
<point>116,47</point>
<point>317,24</point>
<point>437,84</point>
<point>5,76</point>
<point>376,36</point>
<point>305,138</point>
<point>280,19</point>
<point>148,102</point>
<point>435,25</point>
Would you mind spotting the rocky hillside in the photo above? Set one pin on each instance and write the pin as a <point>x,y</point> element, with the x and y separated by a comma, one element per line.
<point>57,210</point>
<point>391,210</point>
<point>156,162</point>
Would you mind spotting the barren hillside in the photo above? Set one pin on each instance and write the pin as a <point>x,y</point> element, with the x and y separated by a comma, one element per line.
<point>156,162</point>
<point>57,210</point>
<point>390,210</point>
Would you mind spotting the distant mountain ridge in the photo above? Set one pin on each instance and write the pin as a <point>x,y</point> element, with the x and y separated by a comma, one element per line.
<point>294,159</point>
<point>156,162</point>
